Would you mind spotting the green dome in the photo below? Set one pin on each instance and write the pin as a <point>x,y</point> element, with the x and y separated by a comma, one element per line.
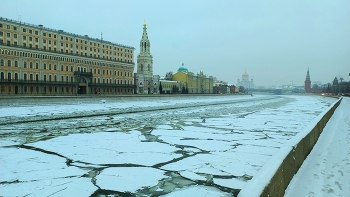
<point>182,69</point>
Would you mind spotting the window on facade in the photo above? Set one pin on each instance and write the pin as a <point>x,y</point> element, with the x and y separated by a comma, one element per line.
<point>30,64</point>
<point>37,77</point>
<point>1,33</point>
<point>16,63</point>
<point>24,30</point>
<point>30,31</point>
<point>44,34</point>
<point>49,66</point>
<point>24,37</point>
<point>24,64</point>
<point>49,35</point>
<point>61,67</point>
<point>30,38</point>
<point>9,63</point>
<point>37,65</point>
<point>8,26</point>
<point>36,32</point>
<point>24,76</point>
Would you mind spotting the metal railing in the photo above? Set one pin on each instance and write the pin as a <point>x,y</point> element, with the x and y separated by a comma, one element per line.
<point>83,74</point>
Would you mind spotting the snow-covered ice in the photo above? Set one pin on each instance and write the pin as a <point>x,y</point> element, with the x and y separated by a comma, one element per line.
<point>129,179</point>
<point>163,147</point>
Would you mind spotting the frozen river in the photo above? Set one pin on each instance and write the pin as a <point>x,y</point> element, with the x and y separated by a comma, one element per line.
<point>144,146</point>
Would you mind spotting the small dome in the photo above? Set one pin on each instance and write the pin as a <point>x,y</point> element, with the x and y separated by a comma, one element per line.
<point>245,74</point>
<point>182,69</point>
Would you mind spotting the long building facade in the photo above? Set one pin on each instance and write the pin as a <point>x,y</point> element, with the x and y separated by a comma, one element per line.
<point>43,61</point>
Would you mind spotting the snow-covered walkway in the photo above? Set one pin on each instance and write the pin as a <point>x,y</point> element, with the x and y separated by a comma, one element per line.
<point>326,171</point>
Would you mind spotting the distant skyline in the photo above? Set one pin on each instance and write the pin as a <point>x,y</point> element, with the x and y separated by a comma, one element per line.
<point>274,42</point>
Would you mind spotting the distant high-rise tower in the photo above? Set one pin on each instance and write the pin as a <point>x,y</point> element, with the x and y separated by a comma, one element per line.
<point>307,82</point>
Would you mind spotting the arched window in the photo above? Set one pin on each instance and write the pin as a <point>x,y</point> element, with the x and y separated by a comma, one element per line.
<point>1,62</point>
<point>141,67</point>
<point>149,67</point>
<point>31,65</point>
<point>24,64</point>
<point>9,63</point>
<point>24,76</point>
<point>16,63</point>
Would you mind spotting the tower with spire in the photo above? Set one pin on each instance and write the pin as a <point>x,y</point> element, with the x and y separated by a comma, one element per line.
<point>145,59</point>
<point>307,82</point>
<point>145,81</point>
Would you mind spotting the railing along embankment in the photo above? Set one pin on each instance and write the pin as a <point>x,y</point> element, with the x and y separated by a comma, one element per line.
<point>273,178</point>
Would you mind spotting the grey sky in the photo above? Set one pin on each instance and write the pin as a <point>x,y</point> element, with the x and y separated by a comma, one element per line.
<point>274,41</point>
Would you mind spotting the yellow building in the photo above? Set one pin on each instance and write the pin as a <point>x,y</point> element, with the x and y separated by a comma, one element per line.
<point>195,84</point>
<point>39,60</point>
<point>173,87</point>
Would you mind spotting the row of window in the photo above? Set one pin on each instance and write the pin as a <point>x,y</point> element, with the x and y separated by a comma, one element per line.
<point>54,78</point>
<point>51,57</point>
<point>127,59</point>
<point>54,67</point>
<point>50,35</point>
<point>62,45</point>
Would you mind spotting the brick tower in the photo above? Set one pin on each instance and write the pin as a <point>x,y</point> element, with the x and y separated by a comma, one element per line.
<point>307,82</point>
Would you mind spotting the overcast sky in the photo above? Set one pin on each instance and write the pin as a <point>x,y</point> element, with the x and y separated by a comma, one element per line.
<point>275,42</point>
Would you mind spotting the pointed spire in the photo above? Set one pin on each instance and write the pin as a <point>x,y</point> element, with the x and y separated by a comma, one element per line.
<point>308,74</point>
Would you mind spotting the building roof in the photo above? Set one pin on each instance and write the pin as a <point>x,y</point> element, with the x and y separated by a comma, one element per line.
<point>182,69</point>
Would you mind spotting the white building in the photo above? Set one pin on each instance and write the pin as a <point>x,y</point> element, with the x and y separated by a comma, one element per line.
<point>145,81</point>
<point>245,82</point>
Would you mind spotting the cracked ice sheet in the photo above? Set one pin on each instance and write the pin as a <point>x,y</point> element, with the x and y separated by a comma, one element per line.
<point>110,148</point>
<point>120,104</point>
<point>198,190</point>
<point>33,173</point>
<point>129,179</point>
<point>53,187</point>
<point>228,163</point>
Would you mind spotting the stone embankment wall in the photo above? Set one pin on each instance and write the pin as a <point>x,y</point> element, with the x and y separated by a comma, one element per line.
<point>273,178</point>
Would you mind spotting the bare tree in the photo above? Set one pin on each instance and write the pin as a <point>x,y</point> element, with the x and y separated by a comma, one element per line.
<point>169,76</point>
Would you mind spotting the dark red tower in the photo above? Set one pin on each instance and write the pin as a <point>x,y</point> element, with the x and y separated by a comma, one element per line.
<point>307,82</point>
